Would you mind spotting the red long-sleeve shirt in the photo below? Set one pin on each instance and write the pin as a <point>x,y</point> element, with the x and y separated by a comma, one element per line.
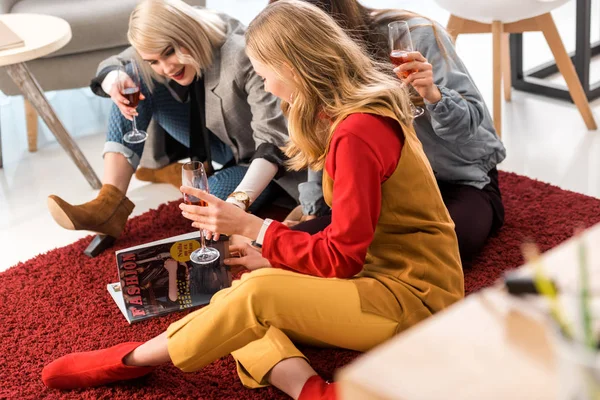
<point>364,152</point>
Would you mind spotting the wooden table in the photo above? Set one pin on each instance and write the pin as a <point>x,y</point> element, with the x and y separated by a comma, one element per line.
<point>43,34</point>
<point>485,347</point>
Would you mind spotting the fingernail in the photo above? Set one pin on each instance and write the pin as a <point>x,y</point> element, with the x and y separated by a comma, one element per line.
<point>126,102</point>
<point>226,261</point>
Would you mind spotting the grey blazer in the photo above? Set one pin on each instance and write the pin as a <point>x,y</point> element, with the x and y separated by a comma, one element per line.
<point>238,109</point>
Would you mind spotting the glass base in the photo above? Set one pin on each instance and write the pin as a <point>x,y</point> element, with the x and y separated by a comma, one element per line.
<point>417,111</point>
<point>204,255</point>
<point>135,137</point>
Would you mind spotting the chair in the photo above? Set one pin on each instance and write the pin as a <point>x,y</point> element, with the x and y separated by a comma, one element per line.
<point>99,31</point>
<point>502,17</point>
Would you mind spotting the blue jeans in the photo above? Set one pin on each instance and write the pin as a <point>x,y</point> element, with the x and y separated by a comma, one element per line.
<point>174,118</point>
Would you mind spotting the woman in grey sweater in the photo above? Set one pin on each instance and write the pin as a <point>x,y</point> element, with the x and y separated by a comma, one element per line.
<point>456,130</point>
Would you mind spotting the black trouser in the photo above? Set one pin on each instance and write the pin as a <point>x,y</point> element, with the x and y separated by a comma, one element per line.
<point>477,214</point>
<point>314,225</point>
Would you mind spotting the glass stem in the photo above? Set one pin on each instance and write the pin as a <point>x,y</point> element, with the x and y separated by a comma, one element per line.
<point>202,240</point>
<point>134,126</point>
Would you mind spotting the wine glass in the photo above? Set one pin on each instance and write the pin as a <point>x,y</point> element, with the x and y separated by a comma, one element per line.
<point>129,86</point>
<point>193,175</point>
<point>400,46</point>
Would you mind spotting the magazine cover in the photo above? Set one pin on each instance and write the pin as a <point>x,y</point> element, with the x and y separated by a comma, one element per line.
<point>158,278</point>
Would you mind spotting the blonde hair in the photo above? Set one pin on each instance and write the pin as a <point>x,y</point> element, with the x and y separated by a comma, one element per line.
<point>155,25</point>
<point>332,74</point>
<point>363,24</point>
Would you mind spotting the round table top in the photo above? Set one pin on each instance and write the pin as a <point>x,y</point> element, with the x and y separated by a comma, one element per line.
<point>42,34</point>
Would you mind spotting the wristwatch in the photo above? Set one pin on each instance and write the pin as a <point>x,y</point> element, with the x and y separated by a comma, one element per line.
<point>242,198</point>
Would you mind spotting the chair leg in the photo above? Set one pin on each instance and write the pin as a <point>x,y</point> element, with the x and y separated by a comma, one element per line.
<point>566,68</point>
<point>31,119</point>
<point>454,26</point>
<point>497,33</point>
<point>506,73</point>
<point>1,161</point>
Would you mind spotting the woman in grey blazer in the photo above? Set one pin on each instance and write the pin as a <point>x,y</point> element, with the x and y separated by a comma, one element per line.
<point>201,99</point>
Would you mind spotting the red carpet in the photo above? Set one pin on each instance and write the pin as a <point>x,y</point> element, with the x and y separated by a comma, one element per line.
<point>57,303</point>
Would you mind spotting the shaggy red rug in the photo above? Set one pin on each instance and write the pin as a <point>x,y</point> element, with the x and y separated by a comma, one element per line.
<point>57,303</point>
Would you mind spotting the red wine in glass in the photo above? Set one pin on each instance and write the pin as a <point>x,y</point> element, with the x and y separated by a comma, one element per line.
<point>193,175</point>
<point>130,81</point>
<point>132,94</point>
<point>399,57</point>
<point>400,46</point>
<point>194,201</point>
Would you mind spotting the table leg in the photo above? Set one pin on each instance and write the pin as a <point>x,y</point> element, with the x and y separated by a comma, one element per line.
<point>32,91</point>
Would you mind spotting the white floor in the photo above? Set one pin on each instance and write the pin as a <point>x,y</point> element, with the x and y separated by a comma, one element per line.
<point>546,139</point>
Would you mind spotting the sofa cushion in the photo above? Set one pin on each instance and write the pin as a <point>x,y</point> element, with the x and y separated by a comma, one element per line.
<point>95,24</point>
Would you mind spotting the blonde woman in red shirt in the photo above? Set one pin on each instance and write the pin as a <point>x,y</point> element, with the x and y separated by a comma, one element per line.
<point>388,260</point>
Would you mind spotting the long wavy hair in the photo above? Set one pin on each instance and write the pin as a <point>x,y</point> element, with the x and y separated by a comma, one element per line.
<point>155,25</point>
<point>363,24</point>
<point>333,77</point>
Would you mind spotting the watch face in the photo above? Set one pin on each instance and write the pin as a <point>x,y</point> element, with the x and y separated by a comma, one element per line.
<point>241,197</point>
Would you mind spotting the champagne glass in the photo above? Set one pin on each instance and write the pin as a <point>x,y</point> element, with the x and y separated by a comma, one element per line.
<point>129,86</point>
<point>193,175</point>
<point>400,46</point>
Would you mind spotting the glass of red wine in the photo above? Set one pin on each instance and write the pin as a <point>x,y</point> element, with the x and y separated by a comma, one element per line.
<point>129,86</point>
<point>193,175</point>
<point>400,46</point>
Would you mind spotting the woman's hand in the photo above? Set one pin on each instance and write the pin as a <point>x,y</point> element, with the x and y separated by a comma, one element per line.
<point>121,101</point>
<point>247,256</point>
<point>290,222</point>
<point>421,77</point>
<point>220,216</point>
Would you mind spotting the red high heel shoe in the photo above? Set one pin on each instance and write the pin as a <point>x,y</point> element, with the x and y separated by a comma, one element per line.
<point>92,368</point>
<point>316,388</point>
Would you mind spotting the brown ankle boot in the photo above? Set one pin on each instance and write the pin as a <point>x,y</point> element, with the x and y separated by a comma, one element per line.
<point>169,174</point>
<point>106,214</point>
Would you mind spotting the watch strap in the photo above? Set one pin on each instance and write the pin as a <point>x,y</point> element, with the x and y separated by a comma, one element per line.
<point>240,204</point>
<point>261,234</point>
